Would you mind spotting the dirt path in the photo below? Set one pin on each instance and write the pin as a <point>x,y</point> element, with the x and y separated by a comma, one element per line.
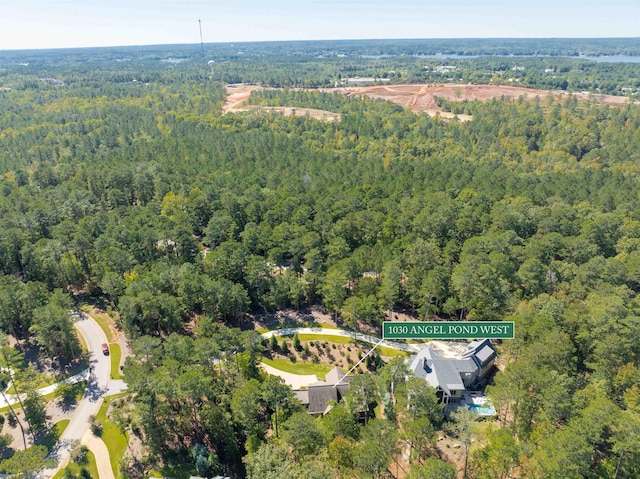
<point>101,453</point>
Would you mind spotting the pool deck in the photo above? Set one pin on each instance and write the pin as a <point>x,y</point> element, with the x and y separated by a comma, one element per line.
<point>477,403</point>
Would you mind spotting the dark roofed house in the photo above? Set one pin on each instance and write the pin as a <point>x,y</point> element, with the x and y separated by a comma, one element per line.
<point>318,394</point>
<point>451,377</point>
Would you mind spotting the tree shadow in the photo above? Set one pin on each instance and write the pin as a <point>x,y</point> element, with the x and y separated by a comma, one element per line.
<point>94,392</point>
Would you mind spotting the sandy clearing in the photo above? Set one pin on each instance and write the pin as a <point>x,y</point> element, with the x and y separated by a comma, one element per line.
<point>417,97</point>
<point>422,97</point>
<point>240,92</point>
<point>236,94</point>
<point>321,115</point>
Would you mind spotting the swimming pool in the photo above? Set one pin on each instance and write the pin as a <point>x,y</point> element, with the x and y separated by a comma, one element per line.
<point>485,409</point>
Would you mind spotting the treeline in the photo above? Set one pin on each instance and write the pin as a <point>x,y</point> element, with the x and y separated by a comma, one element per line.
<point>146,195</point>
<point>198,402</point>
<point>545,64</point>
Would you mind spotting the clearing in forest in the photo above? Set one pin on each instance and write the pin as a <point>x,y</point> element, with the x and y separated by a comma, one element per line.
<point>423,97</point>
<point>416,97</point>
<point>237,94</point>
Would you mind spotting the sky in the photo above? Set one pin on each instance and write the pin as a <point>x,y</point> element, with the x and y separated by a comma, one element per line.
<point>87,23</point>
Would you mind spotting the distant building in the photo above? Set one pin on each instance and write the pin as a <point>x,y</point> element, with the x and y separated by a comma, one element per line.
<point>318,394</point>
<point>366,80</point>
<point>452,377</point>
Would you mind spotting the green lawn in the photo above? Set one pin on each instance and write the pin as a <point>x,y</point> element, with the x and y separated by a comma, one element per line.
<point>116,441</point>
<point>36,381</point>
<point>181,471</point>
<point>390,352</point>
<point>51,396</point>
<point>299,367</point>
<point>114,353</point>
<point>90,466</point>
<point>289,324</point>
<point>53,435</point>
<point>324,337</point>
<point>324,326</point>
<point>482,428</point>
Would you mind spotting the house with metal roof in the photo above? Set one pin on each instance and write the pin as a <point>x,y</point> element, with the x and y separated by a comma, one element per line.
<point>451,377</point>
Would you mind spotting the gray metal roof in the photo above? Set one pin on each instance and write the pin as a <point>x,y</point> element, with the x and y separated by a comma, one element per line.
<point>448,378</point>
<point>445,373</point>
<point>467,365</point>
<point>485,354</point>
<point>474,346</point>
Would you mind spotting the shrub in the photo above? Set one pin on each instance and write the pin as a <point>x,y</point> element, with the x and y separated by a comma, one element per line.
<point>79,455</point>
<point>96,426</point>
<point>11,420</point>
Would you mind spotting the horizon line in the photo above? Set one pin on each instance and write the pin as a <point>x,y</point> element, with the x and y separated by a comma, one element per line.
<point>312,41</point>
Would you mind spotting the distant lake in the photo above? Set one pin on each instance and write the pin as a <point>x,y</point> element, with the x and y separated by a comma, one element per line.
<point>455,56</point>
<point>612,59</point>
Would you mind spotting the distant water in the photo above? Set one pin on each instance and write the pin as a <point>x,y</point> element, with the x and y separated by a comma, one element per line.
<point>455,56</point>
<point>612,59</point>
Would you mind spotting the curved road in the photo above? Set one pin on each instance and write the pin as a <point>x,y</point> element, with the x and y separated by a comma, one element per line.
<point>367,338</point>
<point>447,349</point>
<point>99,385</point>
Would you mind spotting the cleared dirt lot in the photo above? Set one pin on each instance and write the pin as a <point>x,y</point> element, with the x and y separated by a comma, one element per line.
<point>417,97</point>
<point>321,115</point>
<point>238,93</point>
<point>422,97</point>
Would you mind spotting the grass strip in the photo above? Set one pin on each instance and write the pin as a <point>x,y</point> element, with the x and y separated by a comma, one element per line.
<point>114,354</point>
<point>293,324</point>
<point>114,439</point>
<point>80,386</point>
<point>325,337</point>
<point>391,352</point>
<point>299,367</point>
<point>179,471</point>
<point>90,466</point>
<point>53,435</point>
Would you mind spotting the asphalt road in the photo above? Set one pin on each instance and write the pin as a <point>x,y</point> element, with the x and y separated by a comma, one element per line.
<point>98,386</point>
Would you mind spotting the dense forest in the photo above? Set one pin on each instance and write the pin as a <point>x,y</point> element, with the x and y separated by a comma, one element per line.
<point>606,66</point>
<point>186,222</point>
